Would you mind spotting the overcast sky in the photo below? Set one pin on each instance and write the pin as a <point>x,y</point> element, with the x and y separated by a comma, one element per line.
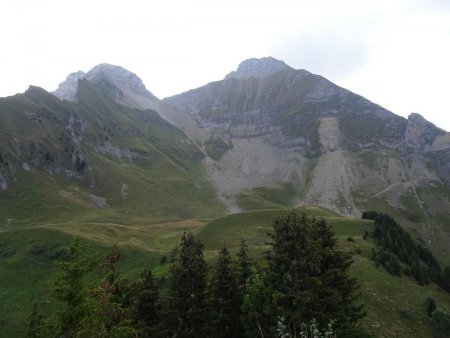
<point>394,52</point>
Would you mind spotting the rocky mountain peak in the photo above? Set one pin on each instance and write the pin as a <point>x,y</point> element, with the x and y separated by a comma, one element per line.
<point>113,81</point>
<point>421,133</point>
<point>120,77</point>
<point>67,90</point>
<point>417,121</point>
<point>416,118</point>
<point>258,67</point>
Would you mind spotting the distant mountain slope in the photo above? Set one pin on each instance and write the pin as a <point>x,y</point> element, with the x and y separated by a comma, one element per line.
<point>265,136</point>
<point>268,126</point>
<point>96,156</point>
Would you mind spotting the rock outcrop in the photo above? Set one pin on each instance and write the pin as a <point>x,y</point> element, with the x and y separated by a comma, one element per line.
<point>114,82</point>
<point>257,68</point>
<point>67,90</point>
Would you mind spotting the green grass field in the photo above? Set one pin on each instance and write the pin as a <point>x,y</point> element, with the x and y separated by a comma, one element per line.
<point>394,305</point>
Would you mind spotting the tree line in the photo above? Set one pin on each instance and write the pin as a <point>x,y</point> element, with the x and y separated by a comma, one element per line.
<point>400,254</point>
<point>300,285</point>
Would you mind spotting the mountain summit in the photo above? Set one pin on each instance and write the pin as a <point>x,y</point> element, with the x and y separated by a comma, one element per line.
<point>120,77</point>
<point>258,67</point>
<point>67,90</point>
<point>115,82</point>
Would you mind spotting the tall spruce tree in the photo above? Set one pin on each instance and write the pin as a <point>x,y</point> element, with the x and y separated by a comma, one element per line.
<point>145,304</point>
<point>108,316</point>
<point>36,327</point>
<point>308,276</point>
<point>185,306</point>
<point>71,292</point>
<point>254,319</point>
<point>225,298</point>
<point>243,265</point>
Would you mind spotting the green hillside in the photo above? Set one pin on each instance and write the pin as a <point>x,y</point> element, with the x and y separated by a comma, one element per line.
<point>394,305</point>
<point>63,160</point>
<point>118,175</point>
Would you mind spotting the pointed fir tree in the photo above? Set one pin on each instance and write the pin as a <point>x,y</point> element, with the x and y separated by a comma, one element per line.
<point>338,293</point>
<point>71,291</point>
<point>225,299</point>
<point>185,307</point>
<point>254,310</point>
<point>243,265</point>
<point>145,304</point>
<point>36,327</point>
<point>308,276</point>
<point>108,316</point>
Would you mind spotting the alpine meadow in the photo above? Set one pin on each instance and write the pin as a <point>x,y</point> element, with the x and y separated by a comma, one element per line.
<point>271,203</point>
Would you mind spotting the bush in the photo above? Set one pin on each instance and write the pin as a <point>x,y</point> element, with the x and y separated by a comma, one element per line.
<point>430,306</point>
<point>163,260</point>
<point>441,322</point>
<point>38,249</point>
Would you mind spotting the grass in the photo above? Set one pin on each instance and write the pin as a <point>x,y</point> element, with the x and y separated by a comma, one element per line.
<point>394,305</point>
<point>27,270</point>
<point>412,218</point>
<point>250,225</point>
<point>150,157</point>
<point>48,210</point>
<point>275,197</point>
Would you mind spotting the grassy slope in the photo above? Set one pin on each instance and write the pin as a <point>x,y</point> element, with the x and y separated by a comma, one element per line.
<point>164,167</point>
<point>424,215</point>
<point>275,197</point>
<point>27,270</point>
<point>394,305</point>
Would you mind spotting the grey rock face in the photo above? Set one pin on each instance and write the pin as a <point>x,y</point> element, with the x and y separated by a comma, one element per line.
<point>258,68</point>
<point>9,223</point>
<point>291,126</point>
<point>441,161</point>
<point>68,89</point>
<point>115,82</point>
<point>98,201</point>
<point>118,76</point>
<point>420,133</point>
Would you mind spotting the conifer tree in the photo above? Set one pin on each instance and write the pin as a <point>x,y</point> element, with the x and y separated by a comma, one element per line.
<point>145,303</point>
<point>444,281</point>
<point>254,305</point>
<point>308,276</point>
<point>36,327</point>
<point>71,292</point>
<point>243,267</point>
<point>185,307</point>
<point>108,317</point>
<point>225,299</point>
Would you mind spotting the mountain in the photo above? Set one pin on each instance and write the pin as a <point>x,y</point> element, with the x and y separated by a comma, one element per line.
<point>280,136</point>
<point>61,159</point>
<point>103,158</point>
<point>266,136</point>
